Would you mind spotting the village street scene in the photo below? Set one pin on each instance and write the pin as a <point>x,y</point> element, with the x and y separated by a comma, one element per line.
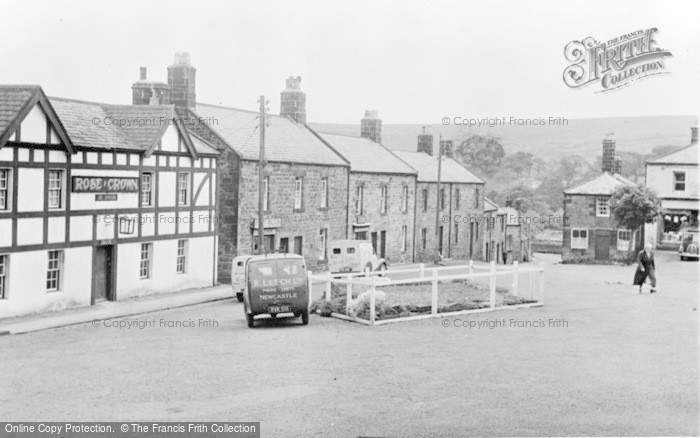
<point>195,245</point>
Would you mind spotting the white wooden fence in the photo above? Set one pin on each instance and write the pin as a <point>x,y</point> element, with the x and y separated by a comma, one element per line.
<point>370,279</point>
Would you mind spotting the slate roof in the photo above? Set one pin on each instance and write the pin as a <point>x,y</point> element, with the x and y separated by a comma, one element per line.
<point>13,98</point>
<point>604,184</point>
<point>427,167</point>
<point>367,156</point>
<point>687,155</point>
<point>285,140</point>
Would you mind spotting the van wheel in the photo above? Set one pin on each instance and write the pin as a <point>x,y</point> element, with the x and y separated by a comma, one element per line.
<point>249,319</point>
<point>305,317</point>
<point>239,295</point>
<point>382,270</point>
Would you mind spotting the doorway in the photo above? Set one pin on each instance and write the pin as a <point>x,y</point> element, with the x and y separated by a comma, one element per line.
<point>102,273</point>
<point>382,245</point>
<point>602,246</point>
<point>298,245</point>
<point>374,241</point>
<point>440,239</point>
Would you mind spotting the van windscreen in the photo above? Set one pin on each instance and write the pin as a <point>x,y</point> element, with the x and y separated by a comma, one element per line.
<point>351,250</point>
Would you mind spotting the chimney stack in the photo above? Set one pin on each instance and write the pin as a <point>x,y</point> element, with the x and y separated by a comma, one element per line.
<point>371,126</point>
<point>181,78</point>
<point>144,92</point>
<point>425,141</point>
<point>617,167</point>
<point>609,153</point>
<point>293,101</point>
<point>446,148</point>
<point>693,134</point>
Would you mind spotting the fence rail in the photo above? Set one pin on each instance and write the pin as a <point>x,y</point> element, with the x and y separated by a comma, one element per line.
<point>371,280</point>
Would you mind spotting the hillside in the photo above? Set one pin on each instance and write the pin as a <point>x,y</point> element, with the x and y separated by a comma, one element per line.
<point>581,136</point>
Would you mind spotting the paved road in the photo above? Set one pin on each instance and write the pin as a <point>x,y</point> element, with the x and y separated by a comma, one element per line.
<point>625,365</point>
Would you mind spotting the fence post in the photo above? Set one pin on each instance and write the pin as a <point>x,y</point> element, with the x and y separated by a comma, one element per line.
<point>372,301</point>
<point>434,301</point>
<point>541,300</point>
<point>348,297</point>
<point>514,287</point>
<point>328,287</point>
<point>422,270</point>
<point>492,288</point>
<point>367,272</point>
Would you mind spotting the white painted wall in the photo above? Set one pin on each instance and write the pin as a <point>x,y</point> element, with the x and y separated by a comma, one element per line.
<point>166,189</point>
<point>26,291</point>
<point>34,126</point>
<point>164,276</point>
<point>30,189</point>
<point>660,178</point>
<point>169,141</point>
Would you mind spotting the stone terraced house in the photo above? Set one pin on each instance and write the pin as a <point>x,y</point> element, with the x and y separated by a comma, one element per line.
<point>381,197</point>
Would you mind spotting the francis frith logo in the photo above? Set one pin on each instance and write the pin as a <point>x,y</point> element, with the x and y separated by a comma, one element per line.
<point>615,63</point>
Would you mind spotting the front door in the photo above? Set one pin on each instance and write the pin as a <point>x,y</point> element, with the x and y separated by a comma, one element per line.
<point>298,245</point>
<point>284,245</point>
<point>440,239</point>
<point>382,246</point>
<point>602,246</point>
<point>471,239</point>
<point>102,274</point>
<point>488,253</point>
<point>374,241</point>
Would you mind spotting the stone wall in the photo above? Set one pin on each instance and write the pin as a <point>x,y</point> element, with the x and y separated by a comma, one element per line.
<point>305,222</point>
<point>469,218</point>
<point>393,220</point>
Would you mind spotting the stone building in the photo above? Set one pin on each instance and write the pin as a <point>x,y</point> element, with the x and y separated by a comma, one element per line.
<point>94,208</point>
<point>381,198</point>
<point>589,230</point>
<point>517,235</point>
<point>305,188</point>
<point>461,208</point>
<point>674,177</point>
<point>495,234</point>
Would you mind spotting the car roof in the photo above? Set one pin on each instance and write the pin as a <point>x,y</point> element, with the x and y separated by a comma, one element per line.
<point>275,256</point>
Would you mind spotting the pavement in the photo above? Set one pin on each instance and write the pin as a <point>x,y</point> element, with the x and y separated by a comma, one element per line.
<point>113,309</point>
<point>597,360</point>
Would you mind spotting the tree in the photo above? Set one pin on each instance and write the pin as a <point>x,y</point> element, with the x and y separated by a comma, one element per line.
<point>520,163</point>
<point>632,207</point>
<point>485,152</point>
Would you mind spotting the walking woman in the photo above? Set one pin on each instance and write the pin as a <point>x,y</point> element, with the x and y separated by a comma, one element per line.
<point>645,268</point>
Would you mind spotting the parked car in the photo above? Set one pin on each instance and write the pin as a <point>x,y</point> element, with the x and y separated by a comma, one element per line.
<point>276,284</point>
<point>238,275</point>
<point>689,245</point>
<point>353,256</point>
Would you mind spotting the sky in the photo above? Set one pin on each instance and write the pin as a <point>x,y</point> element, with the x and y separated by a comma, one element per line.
<point>413,61</point>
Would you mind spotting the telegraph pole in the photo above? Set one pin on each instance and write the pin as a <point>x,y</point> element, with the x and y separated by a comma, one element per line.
<point>261,178</point>
<point>438,205</point>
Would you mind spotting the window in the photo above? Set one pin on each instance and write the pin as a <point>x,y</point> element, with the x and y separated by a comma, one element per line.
<point>337,251</point>
<point>53,272</point>
<point>181,256</point>
<point>182,187</point>
<point>298,193</point>
<point>623,239</point>
<point>477,231</point>
<point>382,200</point>
<point>146,189</point>
<point>361,235</point>
<point>456,198</point>
<point>425,199</point>
<point>324,192</point>
<point>456,233</point>
<point>404,238</point>
<point>266,193</point>
<point>424,238</point>
<point>359,200</point>
<point>350,250</point>
<point>404,199</point>
<point>679,181</point>
<point>322,239</point>
<point>298,245</point>
<point>55,189</point>
<point>602,208</point>
<point>442,199</point>
<point>3,276</point>
<point>145,266</point>
<point>579,238</point>
<point>4,189</point>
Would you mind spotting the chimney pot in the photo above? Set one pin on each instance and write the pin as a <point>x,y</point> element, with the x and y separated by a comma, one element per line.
<point>371,126</point>
<point>142,76</point>
<point>293,100</point>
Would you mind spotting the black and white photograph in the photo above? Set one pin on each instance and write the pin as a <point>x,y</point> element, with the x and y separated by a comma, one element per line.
<point>362,219</point>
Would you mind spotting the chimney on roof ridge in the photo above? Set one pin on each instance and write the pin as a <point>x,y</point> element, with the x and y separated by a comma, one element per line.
<point>142,76</point>
<point>609,153</point>
<point>425,141</point>
<point>446,148</point>
<point>144,92</point>
<point>182,81</point>
<point>371,126</point>
<point>293,101</point>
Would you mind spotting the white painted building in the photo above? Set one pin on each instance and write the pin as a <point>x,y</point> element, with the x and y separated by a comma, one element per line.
<point>674,178</point>
<point>100,202</point>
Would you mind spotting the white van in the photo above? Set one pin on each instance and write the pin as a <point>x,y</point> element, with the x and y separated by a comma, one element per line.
<point>238,275</point>
<point>353,256</point>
